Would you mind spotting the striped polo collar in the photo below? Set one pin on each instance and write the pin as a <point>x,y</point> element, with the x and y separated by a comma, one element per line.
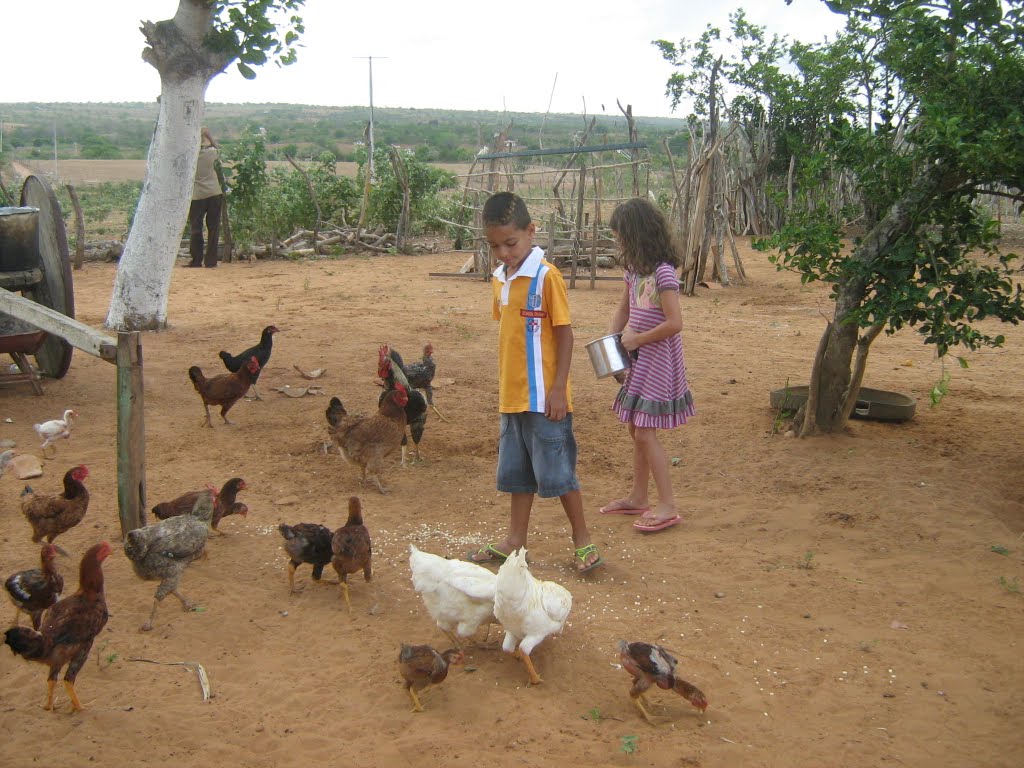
<point>529,268</point>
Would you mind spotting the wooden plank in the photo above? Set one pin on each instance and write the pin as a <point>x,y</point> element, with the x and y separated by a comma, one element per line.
<point>77,334</point>
<point>131,433</point>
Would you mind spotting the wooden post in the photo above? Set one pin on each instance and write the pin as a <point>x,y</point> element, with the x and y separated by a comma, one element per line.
<point>578,230</point>
<point>131,442</point>
<point>551,237</point>
<point>79,226</point>
<point>593,257</point>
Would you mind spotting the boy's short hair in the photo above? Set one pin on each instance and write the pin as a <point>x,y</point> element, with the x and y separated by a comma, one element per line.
<point>506,208</point>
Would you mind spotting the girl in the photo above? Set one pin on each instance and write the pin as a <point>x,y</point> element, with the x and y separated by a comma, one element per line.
<point>654,394</point>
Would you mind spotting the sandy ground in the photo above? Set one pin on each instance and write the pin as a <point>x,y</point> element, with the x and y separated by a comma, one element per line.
<point>838,599</point>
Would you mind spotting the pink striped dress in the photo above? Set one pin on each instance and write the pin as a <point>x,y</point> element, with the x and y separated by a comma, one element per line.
<point>655,393</point>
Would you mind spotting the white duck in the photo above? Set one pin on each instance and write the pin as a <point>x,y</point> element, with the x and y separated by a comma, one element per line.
<point>528,609</point>
<point>56,429</point>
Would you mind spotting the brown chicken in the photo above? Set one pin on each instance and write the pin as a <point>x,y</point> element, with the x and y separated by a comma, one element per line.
<point>69,629</point>
<point>162,551</point>
<point>35,590</point>
<point>306,543</point>
<point>422,667</point>
<point>224,503</point>
<point>224,390</point>
<point>351,548</point>
<point>50,516</point>
<point>368,440</point>
<point>653,665</point>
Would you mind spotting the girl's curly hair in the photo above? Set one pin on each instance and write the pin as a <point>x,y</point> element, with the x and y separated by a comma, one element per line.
<point>644,236</point>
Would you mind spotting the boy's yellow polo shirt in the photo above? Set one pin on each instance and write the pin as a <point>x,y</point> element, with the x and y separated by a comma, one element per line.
<point>528,305</point>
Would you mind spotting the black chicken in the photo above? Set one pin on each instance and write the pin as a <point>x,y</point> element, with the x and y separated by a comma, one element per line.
<point>306,543</point>
<point>420,374</point>
<point>415,410</point>
<point>261,352</point>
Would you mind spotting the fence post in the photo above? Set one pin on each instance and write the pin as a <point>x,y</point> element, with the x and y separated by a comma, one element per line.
<point>131,439</point>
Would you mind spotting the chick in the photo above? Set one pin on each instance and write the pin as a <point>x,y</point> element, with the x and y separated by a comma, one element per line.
<point>422,667</point>
<point>55,429</point>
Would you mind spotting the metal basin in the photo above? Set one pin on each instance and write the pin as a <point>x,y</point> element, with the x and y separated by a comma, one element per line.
<point>873,404</point>
<point>608,356</point>
<point>19,238</point>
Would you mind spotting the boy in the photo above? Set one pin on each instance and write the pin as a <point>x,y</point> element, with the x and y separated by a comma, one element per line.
<point>537,449</point>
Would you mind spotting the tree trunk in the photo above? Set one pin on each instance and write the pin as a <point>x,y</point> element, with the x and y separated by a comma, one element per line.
<point>832,372</point>
<point>176,50</point>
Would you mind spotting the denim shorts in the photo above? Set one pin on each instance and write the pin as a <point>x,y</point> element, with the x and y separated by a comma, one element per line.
<point>536,455</point>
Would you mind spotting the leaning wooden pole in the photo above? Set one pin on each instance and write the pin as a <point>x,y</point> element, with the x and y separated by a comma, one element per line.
<point>131,441</point>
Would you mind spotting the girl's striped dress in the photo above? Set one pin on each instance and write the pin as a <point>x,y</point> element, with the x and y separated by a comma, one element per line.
<point>655,393</point>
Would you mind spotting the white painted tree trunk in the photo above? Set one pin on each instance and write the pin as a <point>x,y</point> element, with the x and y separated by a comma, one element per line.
<point>176,48</point>
<point>141,288</point>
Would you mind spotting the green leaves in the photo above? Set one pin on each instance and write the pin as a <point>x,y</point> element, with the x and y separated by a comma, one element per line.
<point>256,31</point>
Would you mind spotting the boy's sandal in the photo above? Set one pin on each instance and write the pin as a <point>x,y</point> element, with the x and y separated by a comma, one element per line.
<point>486,554</point>
<point>583,553</point>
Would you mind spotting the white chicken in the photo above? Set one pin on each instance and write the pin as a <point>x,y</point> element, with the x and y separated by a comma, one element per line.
<point>459,595</point>
<point>528,609</point>
<point>56,429</point>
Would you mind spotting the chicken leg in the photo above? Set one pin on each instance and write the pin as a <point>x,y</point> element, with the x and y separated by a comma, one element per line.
<point>186,605</point>
<point>344,593</point>
<point>638,700</point>
<point>535,679</point>
<point>50,685</point>
<point>76,705</point>
<point>416,705</point>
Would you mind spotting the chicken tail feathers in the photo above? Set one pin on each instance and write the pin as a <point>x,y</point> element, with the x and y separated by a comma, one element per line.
<point>231,362</point>
<point>26,643</point>
<point>355,511</point>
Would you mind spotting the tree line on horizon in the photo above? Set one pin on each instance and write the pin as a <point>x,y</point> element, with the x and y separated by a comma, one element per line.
<point>124,131</point>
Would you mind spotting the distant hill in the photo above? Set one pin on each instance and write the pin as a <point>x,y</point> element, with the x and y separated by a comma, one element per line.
<point>124,130</point>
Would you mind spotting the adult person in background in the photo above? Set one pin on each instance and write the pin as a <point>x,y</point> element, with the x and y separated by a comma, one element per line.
<point>207,201</point>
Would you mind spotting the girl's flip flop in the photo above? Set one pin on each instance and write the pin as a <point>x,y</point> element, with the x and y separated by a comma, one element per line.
<point>658,526</point>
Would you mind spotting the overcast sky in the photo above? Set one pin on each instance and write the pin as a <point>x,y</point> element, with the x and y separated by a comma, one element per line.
<point>454,54</point>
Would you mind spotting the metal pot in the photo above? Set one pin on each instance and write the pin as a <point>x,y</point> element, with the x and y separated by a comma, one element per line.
<point>19,239</point>
<point>608,356</point>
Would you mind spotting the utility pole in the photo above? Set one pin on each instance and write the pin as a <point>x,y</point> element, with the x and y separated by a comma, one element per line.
<point>370,60</point>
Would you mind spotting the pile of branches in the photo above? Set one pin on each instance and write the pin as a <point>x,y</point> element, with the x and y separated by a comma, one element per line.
<point>337,240</point>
